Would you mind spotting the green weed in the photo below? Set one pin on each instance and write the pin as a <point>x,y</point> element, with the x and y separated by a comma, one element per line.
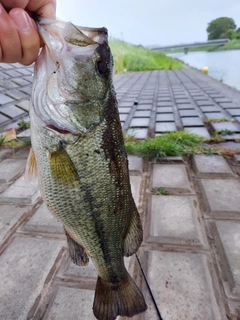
<point>168,144</point>
<point>23,125</point>
<point>128,57</point>
<point>219,120</point>
<point>159,191</point>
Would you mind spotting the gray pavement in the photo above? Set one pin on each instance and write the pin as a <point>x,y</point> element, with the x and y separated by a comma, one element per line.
<point>191,247</point>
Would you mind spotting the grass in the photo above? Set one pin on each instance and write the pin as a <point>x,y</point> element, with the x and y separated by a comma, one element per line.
<point>22,125</point>
<point>159,191</point>
<point>178,143</point>
<point>128,57</point>
<point>232,44</point>
<point>209,120</point>
<point>168,144</point>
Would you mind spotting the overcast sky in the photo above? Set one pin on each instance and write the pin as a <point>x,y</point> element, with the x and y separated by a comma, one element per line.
<point>150,22</point>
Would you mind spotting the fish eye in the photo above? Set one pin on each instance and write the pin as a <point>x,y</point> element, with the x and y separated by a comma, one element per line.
<point>102,66</point>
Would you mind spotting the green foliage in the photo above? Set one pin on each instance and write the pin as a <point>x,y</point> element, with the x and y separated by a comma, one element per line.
<point>137,58</point>
<point>159,191</point>
<point>2,139</point>
<point>22,125</point>
<point>218,28</point>
<point>219,120</point>
<point>168,144</point>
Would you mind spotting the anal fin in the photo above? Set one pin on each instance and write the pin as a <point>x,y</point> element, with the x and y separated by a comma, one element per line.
<point>134,236</point>
<point>77,253</point>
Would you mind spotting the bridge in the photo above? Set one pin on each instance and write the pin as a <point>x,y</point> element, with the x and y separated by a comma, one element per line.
<point>186,46</point>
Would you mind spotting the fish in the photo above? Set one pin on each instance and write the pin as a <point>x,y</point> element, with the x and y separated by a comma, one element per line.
<point>79,157</point>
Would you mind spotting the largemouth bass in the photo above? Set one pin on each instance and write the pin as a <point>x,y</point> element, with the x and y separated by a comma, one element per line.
<point>82,166</point>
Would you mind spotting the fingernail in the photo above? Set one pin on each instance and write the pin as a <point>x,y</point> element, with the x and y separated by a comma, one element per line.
<point>21,19</point>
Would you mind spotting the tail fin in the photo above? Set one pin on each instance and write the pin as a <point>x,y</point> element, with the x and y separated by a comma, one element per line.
<point>111,300</point>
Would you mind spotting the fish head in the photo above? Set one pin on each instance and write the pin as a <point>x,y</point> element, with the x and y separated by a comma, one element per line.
<point>73,77</point>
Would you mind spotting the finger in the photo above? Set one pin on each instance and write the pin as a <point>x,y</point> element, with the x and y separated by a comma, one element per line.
<point>10,45</point>
<point>14,4</point>
<point>45,8</point>
<point>28,35</point>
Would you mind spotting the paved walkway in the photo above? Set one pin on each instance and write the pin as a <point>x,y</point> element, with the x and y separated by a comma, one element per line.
<point>191,247</point>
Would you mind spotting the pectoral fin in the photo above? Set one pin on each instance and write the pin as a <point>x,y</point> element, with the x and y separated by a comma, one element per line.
<point>77,252</point>
<point>31,167</point>
<point>134,236</point>
<point>62,168</point>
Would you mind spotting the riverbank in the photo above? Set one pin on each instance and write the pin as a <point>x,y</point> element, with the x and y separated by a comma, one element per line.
<point>128,57</point>
<point>231,45</point>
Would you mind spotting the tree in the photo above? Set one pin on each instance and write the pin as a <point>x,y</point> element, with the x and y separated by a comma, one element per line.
<point>218,28</point>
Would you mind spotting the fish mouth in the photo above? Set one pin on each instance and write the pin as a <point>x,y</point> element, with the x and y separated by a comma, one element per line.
<point>59,130</point>
<point>58,96</point>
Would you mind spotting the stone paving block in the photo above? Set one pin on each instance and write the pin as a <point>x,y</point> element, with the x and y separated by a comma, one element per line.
<point>12,111</point>
<point>4,99</point>
<point>226,125</point>
<point>24,267</point>
<point>188,113</point>
<point>165,127</point>
<point>214,115</point>
<point>10,169</point>
<point>138,133</point>
<point>89,271</point>
<point>164,109</point>
<point>199,97</point>
<point>9,216</point>
<point>7,84</point>
<point>209,109</point>
<point>184,106</point>
<point>229,233</point>
<point>222,196</point>
<point>144,107</point>
<point>227,105</point>
<point>164,104</point>
<point>72,270</point>
<point>43,221</point>
<point>142,114</point>
<point>171,176</point>
<point>135,165</point>
<point>164,98</point>
<point>24,134</point>
<point>71,303</point>
<point>124,110</point>
<point>23,104</point>
<point>183,290</point>
<point>24,71</point>
<point>174,220</point>
<point>140,122</point>
<point>21,192</point>
<point>214,165</point>
<point>123,117</point>
<point>5,153</point>
<point>205,103</point>
<point>234,112</point>
<point>125,104</point>
<point>21,82</point>
<point>27,90</point>
<point>222,100</point>
<point>192,121</point>
<point>135,187</point>
<point>179,101</point>
<point>16,94</point>
<point>165,117</point>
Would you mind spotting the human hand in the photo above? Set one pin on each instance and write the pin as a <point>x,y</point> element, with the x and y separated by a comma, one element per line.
<point>19,38</point>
